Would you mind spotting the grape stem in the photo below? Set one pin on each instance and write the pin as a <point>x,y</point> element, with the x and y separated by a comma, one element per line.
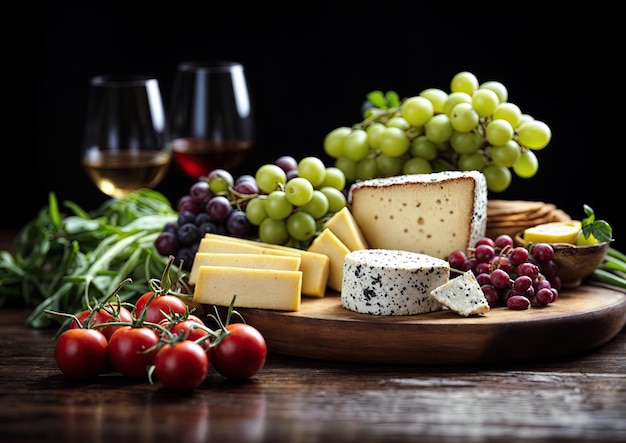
<point>240,198</point>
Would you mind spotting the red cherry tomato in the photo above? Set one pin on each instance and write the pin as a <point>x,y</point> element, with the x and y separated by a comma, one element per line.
<point>142,301</point>
<point>241,354</point>
<point>157,305</point>
<point>181,366</point>
<point>81,353</point>
<point>188,328</point>
<point>104,314</point>
<point>166,323</point>
<point>127,350</point>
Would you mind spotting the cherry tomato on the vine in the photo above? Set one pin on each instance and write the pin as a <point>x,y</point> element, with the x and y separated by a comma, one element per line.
<point>181,366</point>
<point>104,314</point>
<point>158,305</point>
<point>81,353</point>
<point>127,350</point>
<point>241,354</point>
<point>142,301</point>
<point>191,327</point>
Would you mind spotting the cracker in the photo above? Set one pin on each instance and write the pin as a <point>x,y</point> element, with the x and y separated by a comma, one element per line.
<point>528,217</point>
<point>511,207</point>
<point>513,216</point>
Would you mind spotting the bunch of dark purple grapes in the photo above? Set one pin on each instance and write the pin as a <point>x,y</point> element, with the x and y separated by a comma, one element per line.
<point>511,276</point>
<point>215,204</point>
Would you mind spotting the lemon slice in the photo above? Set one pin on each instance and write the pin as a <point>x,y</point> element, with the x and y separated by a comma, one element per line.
<point>554,232</point>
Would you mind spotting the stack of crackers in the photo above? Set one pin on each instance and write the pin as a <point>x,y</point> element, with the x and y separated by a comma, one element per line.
<point>513,216</point>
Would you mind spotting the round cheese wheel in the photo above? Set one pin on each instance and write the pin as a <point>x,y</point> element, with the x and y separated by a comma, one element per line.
<point>392,282</point>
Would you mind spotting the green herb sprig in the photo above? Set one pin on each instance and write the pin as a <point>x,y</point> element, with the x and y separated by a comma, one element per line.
<point>600,229</point>
<point>62,262</point>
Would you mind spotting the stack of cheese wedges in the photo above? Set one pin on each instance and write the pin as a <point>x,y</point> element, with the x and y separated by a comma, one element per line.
<point>268,276</point>
<point>340,235</point>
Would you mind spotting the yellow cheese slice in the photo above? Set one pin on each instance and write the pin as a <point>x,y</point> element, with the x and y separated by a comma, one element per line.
<point>328,244</point>
<point>253,288</point>
<point>345,227</point>
<point>232,245</point>
<point>243,260</point>
<point>315,267</point>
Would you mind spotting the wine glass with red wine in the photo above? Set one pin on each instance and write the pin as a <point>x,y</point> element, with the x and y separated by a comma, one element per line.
<point>125,141</point>
<point>211,120</point>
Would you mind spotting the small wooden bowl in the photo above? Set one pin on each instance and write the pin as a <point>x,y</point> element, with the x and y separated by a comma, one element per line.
<point>574,262</point>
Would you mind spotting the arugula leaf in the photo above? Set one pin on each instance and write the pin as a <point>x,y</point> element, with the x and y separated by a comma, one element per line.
<point>62,262</point>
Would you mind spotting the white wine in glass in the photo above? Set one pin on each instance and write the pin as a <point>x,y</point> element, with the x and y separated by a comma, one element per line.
<point>211,120</point>
<point>125,143</point>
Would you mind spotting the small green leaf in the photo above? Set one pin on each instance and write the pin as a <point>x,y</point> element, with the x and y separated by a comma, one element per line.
<point>55,216</point>
<point>393,99</point>
<point>381,100</point>
<point>377,98</point>
<point>600,229</point>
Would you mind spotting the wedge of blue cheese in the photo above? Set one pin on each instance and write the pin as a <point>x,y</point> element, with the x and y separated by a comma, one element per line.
<point>392,282</point>
<point>462,295</point>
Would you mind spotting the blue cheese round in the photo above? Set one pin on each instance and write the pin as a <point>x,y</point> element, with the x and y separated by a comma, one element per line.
<point>392,282</point>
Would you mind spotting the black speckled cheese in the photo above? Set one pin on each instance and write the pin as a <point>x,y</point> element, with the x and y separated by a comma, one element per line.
<point>463,295</point>
<point>392,282</point>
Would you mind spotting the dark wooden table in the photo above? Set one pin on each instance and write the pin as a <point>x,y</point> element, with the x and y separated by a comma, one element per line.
<point>580,398</point>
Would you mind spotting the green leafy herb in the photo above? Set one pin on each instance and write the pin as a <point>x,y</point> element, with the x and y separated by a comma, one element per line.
<point>63,262</point>
<point>600,229</point>
<point>381,100</point>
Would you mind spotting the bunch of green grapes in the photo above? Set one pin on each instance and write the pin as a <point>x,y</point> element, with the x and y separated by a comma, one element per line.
<point>295,199</point>
<point>472,127</point>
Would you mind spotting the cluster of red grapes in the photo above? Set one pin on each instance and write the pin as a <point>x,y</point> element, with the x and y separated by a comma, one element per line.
<point>214,204</point>
<point>511,276</point>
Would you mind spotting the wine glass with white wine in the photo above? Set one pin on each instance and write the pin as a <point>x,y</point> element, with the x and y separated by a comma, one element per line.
<point>125,143</point>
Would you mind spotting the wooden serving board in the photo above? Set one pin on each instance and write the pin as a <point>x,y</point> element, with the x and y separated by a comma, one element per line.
<point>581,319</point>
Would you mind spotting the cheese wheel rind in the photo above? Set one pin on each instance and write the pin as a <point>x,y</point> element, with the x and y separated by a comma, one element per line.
<point>392,282</point>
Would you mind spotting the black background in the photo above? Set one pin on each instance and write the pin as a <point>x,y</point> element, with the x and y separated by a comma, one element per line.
<point>310,66</point>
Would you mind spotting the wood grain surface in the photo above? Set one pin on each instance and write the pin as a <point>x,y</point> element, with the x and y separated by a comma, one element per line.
<point>580,320</point>
<point>574,399</point>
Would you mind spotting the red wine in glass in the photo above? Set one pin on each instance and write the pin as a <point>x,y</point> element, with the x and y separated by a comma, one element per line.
<point>211,121</point>
<point>197,157</point>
